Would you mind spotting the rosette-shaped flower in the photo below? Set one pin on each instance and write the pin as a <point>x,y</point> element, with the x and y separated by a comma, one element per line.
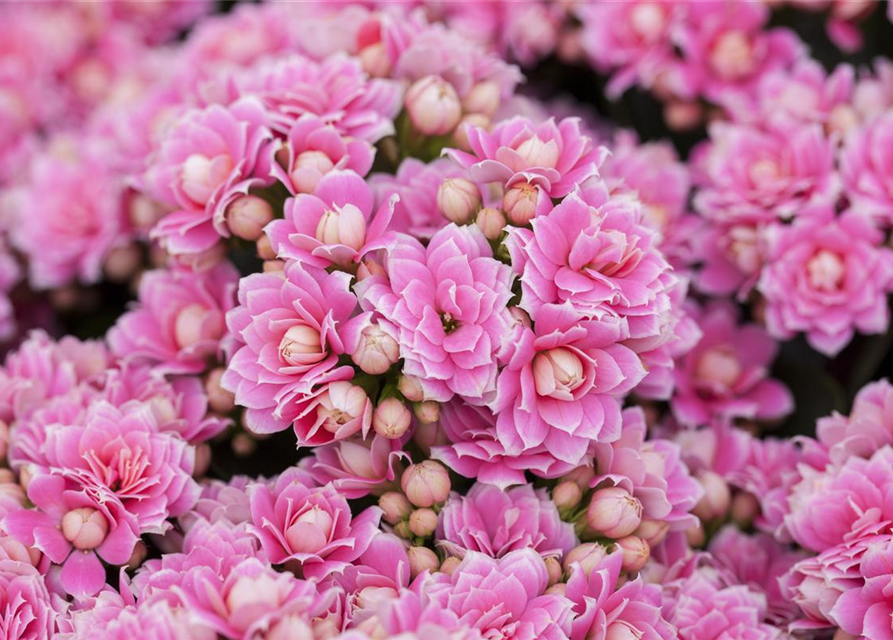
<point>866,612</point>
<point>604,610</point>
<point>503,597</point>
<point>555,156</point>
<point>220,501</point>
<point>866,167</point>
<point>830,507</point>
<point>332,225</point>
<point>115,621</point>
<point>290,333</point>
<point>828,278</point>
<point>179,320</point>
<point>651,470</point>
<point>758,174</point>
<point>26,611</point>
<point>309,525</point>
<point>445,305</point>
<point>733,257</point>
<point>561,384</point>
<point>496,522</point>
<point>355,466</point>
<point>313,149</point>
<point>204,162</point>
<point>868,427</point>
<point>726,375</point>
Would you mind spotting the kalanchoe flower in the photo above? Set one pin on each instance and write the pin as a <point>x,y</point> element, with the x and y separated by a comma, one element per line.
<point>865,167</point>
<point>309,525</point>
<point>866,612</point>
<point>554,156</point>
<point>734,254</point>
<point>868,427</point>
<point>356,466</point>
<point>445,305</point>
<point>26,607</point>
<point>496,522</point>
<point>289,333</point>
<point>115,621</point>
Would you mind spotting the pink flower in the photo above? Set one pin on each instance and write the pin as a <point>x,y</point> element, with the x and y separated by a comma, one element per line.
<point>733,256</point>
<point>561,384</point>
<point>313,148</point>
<point>117,622</point>
<point>26,610</point>
<point>220,501</point>
<point>290,333</point>
<point>445,305</point>
<point>179,320</point>
<point>827,278</point>
<point>866,612</point>
<point>10,275</point>
<point>503,597</point>
<point>205,161</point>
<point>356,466</point>
<point>725,376</point>
<point>555,157</point>
<point>309,525</point>
<point>755,174</point>
<point>868,427</point>
<point>865,167</point>
<point>332,225</point>
<point>496,522</point>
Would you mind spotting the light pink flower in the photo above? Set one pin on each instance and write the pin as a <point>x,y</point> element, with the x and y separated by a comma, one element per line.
<point>179,320</point>
<point>733,255</point>
<point>445,305</point>
<point>868,427</point>
<point>496,522</point>
<point>866,612</point>
<point>309,525</point>
<point>866,165</point>
<point>290,333</point>
<point>157,620</point>
<point>26,608</point>
<point>356,466</point>
<point>827,278</point>
<point>554,156</point>
<point>220,501</point>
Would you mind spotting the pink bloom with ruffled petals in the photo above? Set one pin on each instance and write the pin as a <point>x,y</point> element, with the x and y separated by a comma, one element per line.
<point>866,612</point>
<point>26,608</point>
<point>868,427</point>
<point>356,466</point>
<point>866,166</point>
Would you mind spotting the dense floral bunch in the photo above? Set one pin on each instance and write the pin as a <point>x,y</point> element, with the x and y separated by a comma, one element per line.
<point>410,354</point>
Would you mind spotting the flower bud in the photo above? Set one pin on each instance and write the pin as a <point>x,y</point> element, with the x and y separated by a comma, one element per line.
<point>423,522</point>
<point>696,536</point>
<point>291,627</point>
<point>253,593</point>
<point>559,589</point>
<point>554,569</point>
<point>402,530</point>
<point>301,346</point>
<point>197,323</point>
<point>491,222</point>
<point>342,225</point>
<point>653,531</point>
<point>581,476</point>
<point>247,215</point>
<point>614,513</point>
<point>717,497</point>
<point>539,152</point>
<point>429,435</point>
<point>310,532</point>
<point>566,495</point>
<point>683,116</point>
<point>85,528</point>
<point>375,60</point>
<point>202,459</point>
<point>376,351</point>
<point>458,199</point>
<point>411,388</point>
<point>219,399</point>
<point>745,508</point>
<point>309,168</point>
<point>622,630</point>
<point>460,135</point>
<point>519,203</point>
<point>635,553</point>
<point>395,507</point>
<point>589,555</point>
<point>557,373</point>
<point>6,475</point>
<point>243,445</point>
<point>143,212</point>
<point>422,559</point>
<point>391,418</point>
<point>449,565</point>
<point>483,98</point>
<point>342,409</point>
<point>265,249</point>
<point>140,551</point>
<point>122,263</point>
<point>427,412</point>
<point>426,483</point>
<point>433,106</point>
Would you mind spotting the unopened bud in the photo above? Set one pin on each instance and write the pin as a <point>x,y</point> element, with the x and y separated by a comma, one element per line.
<point>376,351</point>
<point>745,508</point>
<point>554,569</point>
<point>566,495</point>
<point>589,555</point>
<point>614,512</point>
<point>427,412</point>
<point>635,553</point>
<point>717,497</point>
<point>422,559</point>
<point>483,98</point>
<point>423,522</point>
<point>391,418</point>
<point>519,203</point>
<point>411,388</point>
<point>433,106</point>
<point>449,565</point>
<point>491,222</point>
<point>247,215</point>
<point>219,399</point>
<point>395,507</point>
<point>426,483</point>
<point>458,199</point>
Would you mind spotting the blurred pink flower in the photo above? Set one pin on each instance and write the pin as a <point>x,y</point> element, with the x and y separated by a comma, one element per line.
<point>865,166</point>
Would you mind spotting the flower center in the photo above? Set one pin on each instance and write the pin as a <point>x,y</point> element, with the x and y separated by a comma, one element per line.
<point>826,271</point>
<point>732,56</point>
<point>301,346</point>
<point>648,21</point>
<point>718,367</point>
<point>557,373</point>
<point>539,153</point>
<point>450,323</point>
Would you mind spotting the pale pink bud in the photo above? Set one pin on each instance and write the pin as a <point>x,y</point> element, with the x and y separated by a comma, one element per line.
<point>143,211</point>
<point>395,507</point>
<point>460,135</point>
<point>683,116</point>
<point>301,346</point>
<point>291,627</point>
<point>122,263</point>
<point>247,215</point>
<point>275,267</point>
<point>745,508</point>
<point>200,175</point>
<point>423,522</point>
<point>84,528</point>
<point>491,222</point>
<point>566,495</point>
<point>402,530</point>
<point>635,553</point>
<point>243,445</point>
<point>310,532</point>
<point>653,531</point>
<point>696,536</point>
<point>411,388</point>
<point>376,351</point>
<point>309,168</point>
<point>140,552</point>
<point>582,476</point>
<point>4,441</point>
<point>252,593</point>
<point>554,569</point>
<point>391,418</point>
<point>483,98</point>
<point>14,550</point>
<point>427,412</point>
<point>422,559</point>
<point>219,399</point>
<point>557,373</point>
<point>450,565</point>
<point>6,475</point>
<point>732,55</point>
<point>426,483</point>
<point>197,323</point>
<point>342,225</point>
<point>718,367</point>
<point>589,555</point>
<point>265,249</point>
<point>342,403</point>
<point>559,589</point>
<point>717,497</point>
<point>202,459</point>
<point>539,153</point>
<point>842,120</point>
<point>622,630</point>
<point>519,204</point>
<point>429,435</point>
<point>375,60</point>
<point>614,512</point>
<point>433,106</point>
<point>458,199</point>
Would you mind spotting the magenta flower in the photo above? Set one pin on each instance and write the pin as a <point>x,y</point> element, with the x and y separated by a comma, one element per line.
<point>496,522</point>
<point>179,319</point>
<point>865,166</point>
<point>356,466</point>
<point>734,254</point>
<point>311,526</point>
<point>220,501</point>
<point>290,332</point>
<point>725,376</point>
<point>556,157</point>
<point>332,225</point>
<point>561,385</point>
<point>157,620</point>
<point>26,609</point>
<point>868,427</point>
<point>204,162</point>
<point>503,597</point>
<point>828,278</point>
<point>445,305</point>
<point>866,612</point>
